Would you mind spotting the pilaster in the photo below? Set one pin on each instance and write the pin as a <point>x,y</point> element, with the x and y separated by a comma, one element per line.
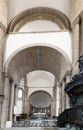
<point>75,30</point>
<point>68,78</point>
<point>63,96</point>
<point>57,99</point>
<point>3,26</point>
<point>53,103</point>
<point>81,33</point>
<point>60,93</point>
<point>26,98</point>
<point>5,104</point>
<point>11,105</point>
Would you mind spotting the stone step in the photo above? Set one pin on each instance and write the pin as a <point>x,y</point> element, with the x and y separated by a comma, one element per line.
<point>35,128</point>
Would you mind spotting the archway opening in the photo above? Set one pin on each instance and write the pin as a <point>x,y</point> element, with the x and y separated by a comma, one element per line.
<point>40,102</point>
<point>38,58</point>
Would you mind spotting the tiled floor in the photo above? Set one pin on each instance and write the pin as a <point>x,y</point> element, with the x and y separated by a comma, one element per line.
<point>35,123</point>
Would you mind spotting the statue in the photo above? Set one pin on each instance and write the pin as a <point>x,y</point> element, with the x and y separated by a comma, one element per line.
<point>80,63</point>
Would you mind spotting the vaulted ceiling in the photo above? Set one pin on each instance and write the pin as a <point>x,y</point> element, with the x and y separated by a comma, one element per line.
<point>38,58</point>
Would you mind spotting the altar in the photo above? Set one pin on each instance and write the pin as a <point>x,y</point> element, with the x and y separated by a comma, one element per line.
<point>39,116</point>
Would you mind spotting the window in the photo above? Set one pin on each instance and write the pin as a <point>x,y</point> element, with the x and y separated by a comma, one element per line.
<point>20,93</point>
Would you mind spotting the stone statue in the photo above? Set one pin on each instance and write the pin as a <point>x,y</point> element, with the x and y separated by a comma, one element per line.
<point>80,63</point>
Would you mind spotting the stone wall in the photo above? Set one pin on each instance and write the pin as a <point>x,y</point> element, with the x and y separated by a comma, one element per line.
<point>76,8</point>
<point>3,11</point>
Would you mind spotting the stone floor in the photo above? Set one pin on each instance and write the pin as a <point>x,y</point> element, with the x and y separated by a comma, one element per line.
<point>35,123</point>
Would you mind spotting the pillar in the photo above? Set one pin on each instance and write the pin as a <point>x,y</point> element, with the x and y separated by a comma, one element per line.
<point>57,99</point>
<point>63,96</point>
<point>53,103</point>
<point>60,97</point>
<point>81,34</point>
<point>2,35</point>
<point>26,101</point>
<point>4,114</point>
<point>14,101</point>
<point>11,101</point>
<point>75,31</point>
<point>26,98</point>
<point>68,77</point>
<point>15,94</point>
<point>3,26</point>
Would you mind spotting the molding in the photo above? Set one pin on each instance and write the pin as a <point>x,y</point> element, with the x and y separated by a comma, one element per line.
<point>39,13</point>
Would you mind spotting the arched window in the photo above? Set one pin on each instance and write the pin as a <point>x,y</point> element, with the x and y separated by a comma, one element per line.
<point>20,101</point>
<point>20,93</point>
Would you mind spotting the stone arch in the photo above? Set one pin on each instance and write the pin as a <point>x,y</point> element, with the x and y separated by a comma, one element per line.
<point>39,13</point>
<point>31,50</point>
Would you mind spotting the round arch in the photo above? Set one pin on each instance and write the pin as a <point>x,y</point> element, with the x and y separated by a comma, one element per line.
<point>40,97</point>
<point>39,13</point>
<point>37,57</point>
<point>40,91</point>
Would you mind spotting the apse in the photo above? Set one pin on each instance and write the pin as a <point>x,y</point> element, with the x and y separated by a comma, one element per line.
<point>40,99</point>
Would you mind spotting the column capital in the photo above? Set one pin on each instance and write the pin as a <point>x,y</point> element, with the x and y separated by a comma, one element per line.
<point>6,75</point>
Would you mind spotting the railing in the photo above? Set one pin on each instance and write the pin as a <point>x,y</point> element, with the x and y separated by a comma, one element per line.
<point>72,115</point>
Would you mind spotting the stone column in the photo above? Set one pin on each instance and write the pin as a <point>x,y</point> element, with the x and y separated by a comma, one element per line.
<point>14,101</point>
<point>4,114</point>
<point>15,94</point>
<point>11,101</point>
<point>75,30</point>
<point>68,77</point>
<point>53,103</point>
<point>60,97</point>
<point>81,34</point>
<point>3,26</point>
<point>63,96</point>
<point>26,99</point>
<point>28,104</point>
<point>57,99</point>
<point>2,35</point>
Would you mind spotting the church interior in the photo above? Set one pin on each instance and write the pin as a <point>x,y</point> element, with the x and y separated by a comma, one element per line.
<point>41,64</point>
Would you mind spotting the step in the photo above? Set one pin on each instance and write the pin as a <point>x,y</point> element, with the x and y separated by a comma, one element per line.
<point>35,128</point>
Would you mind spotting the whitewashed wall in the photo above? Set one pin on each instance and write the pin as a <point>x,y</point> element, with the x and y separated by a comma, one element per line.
<point>62,40</point>
<point>39,25</point>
